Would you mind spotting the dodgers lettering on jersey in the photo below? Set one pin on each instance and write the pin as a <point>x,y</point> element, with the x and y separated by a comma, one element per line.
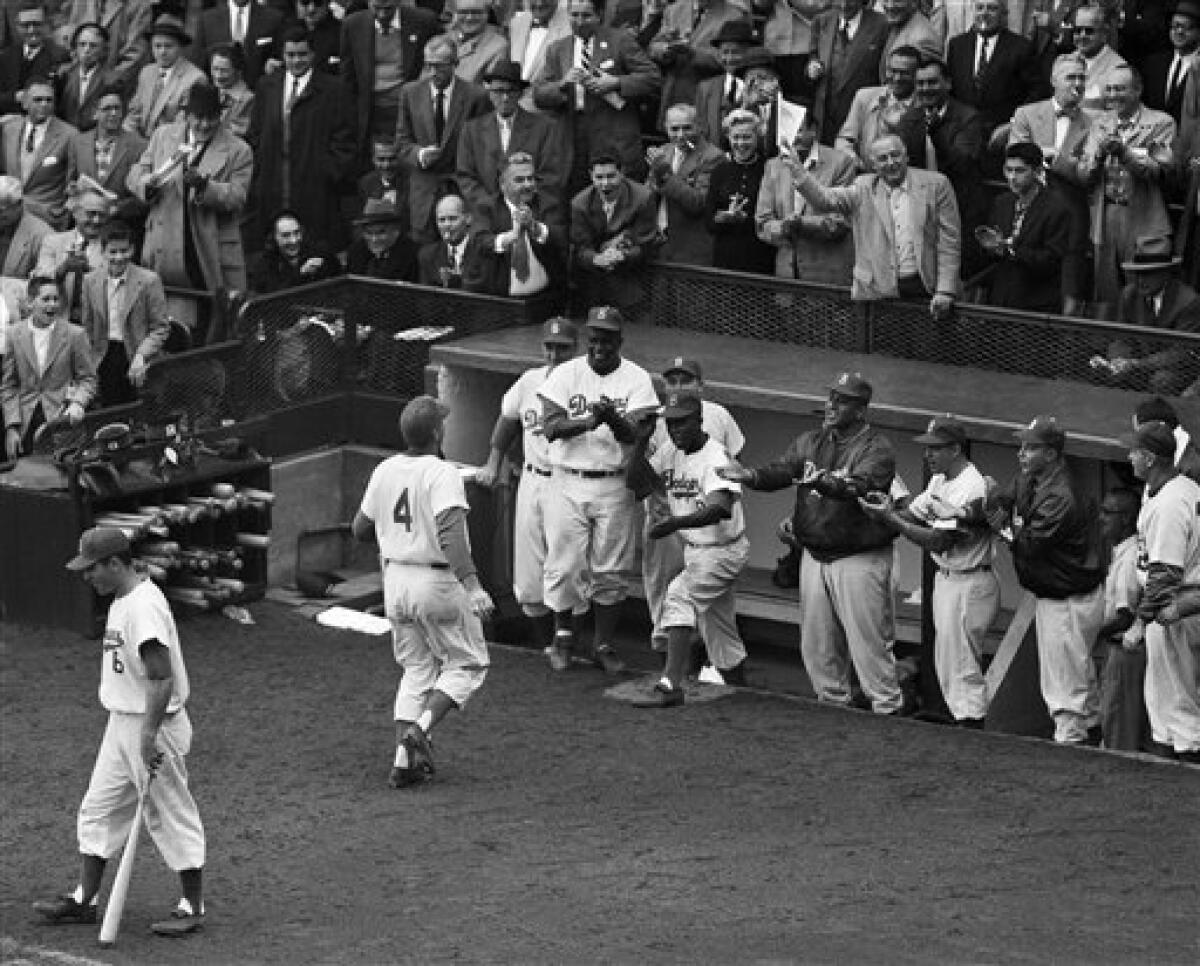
<point>141,615</point>
<point>574,387</point>
<point>689,478</point>
<point>404,497</point>
<point>523,404</point>
<point>714,420</point>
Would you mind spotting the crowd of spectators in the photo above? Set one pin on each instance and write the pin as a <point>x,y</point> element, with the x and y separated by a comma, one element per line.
<point>929,151</point>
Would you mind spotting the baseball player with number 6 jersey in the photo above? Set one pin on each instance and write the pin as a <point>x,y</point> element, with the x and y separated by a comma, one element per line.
<point>144,686</point>
<point>521,412</point>
<point>592,408</point>
<point>416,507</point>
<point>706,511</point>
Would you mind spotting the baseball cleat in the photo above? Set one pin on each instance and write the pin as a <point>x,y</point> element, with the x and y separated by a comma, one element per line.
<point>560,650</point>
<point>406,777</point>
<point>735,676</point>
<point>182,922</point>
<point>64,910</point>
<point>661,697</point>
<point>420,752</point>
<point>606,659</point>
<point>710,675</point>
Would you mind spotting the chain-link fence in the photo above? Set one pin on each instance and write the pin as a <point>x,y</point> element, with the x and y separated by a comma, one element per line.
<point>363,335</point>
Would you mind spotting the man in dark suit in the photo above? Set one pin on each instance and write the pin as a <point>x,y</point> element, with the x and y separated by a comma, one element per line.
<point>591,81</point>
<point>1032,236</point>
<point>679,175</point>
<point>301,130</point>
<point>32,54</point>
<point>37,149</point>
<point>383,249</point>
<point>847,45</point>
<point>613,232</point>
<point>79,86</point>
<point>955,134</point>
<point>259,28</point>
<point>1157,299</point>
<point>373,81</point>
<point>125,23</point>
<point>486,141</point>
<point>433,111</point>
<point>456,259</point>
<point>522,235</point>
<point>107,152</point>
<point>385,179</point>
<point>993,69</point>
<point>717,96</point>
<point>1165,73</point>
<point>324,32</point>
<point>291,259</point>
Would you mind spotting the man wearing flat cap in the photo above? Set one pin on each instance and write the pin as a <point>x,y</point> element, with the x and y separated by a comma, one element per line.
<point>382,249</point>
<point>1028,236</point>
<point>846,613</point>
<point>947,520</point>
<point>1055,542</point>
<point>592,411</point>
<point>1168,566</point>
<point>1155,298</point>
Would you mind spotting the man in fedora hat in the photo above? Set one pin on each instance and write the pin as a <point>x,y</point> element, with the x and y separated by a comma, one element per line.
<point>1154,298</point>
<point>1055,541</point>
<point>302,133</point>
<point>717,96</point>
<point>163,85</point>
<point>780,119</point>
<point>680,171</point>
<point>383,248</point>
<point>846,45</point>
<point>685,46</point>
<point>946,519</point>
<point>487,140</point>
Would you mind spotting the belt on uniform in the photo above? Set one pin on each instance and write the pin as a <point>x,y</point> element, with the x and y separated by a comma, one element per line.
<point>418,563</point>
<point>592,474</point>
<point>707,546</point>
<point>981,569</point>
<point>530,468</point>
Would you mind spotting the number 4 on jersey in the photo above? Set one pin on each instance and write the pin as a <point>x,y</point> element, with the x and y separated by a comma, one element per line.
<point>401,513</point>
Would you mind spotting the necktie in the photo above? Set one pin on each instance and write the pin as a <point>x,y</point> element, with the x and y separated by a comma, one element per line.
<point>116,305</point>
<point>239,25</point>
<point>844,33</point>
<point>385,27</point>
<point>731,94</point>
<point>159,84</point>
<point>439,114</point>
<point>505,133</point>
<point>983,59</point>
<point>29,146</point>
<point>1174,81</point>
<point>520,257</point>
<point>103,159</point>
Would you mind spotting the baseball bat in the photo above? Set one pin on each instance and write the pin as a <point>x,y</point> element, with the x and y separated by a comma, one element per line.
<point>120,887</point>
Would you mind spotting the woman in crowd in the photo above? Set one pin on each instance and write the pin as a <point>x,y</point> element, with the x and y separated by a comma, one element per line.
<point>733,199</point>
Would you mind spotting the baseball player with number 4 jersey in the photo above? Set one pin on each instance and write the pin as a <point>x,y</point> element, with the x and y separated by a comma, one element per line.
<point>1168,567</point>
<point>592,408</point>
<point>521,412</point>
<point>416,507</point>
<point>144,687</point>
<point>706,511</point>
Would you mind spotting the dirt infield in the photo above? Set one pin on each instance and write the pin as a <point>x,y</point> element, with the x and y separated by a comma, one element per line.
<point>565,827</point>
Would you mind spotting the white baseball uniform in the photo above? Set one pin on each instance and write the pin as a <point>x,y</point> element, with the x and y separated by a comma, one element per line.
<point>590,519</point>
<point>701,595</point>
<point>436,636</point>
<point>534,492</point>
<point>1123,722</point>
<point>662,559</point>
<point>966,592</point>
<point>1169,533</point>
<point>171,816</point>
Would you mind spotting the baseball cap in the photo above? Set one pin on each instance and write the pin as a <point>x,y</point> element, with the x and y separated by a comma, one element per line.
<point>943,431</point>
<point>605,317</point>
<point>1044,431</point>
<point>1155,438</point>
<point>96,544</point>
<point>681,405</point>
<point>422,411</point>
<point>853,385</point>
<point>559,331</point>
<point>682,364</point>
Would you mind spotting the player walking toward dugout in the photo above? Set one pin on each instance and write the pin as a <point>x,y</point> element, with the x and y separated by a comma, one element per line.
<point>706,511</point>
<point>144,687</point>
<point>521,412</point>
<point>416,507</point>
